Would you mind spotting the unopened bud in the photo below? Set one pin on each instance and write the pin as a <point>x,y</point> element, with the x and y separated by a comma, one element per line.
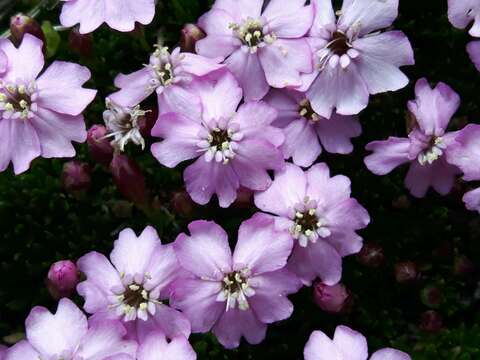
<point>182,204</point>
<point>332,299</point>
<point>75,177</point>
<point>406,272</point>
<point>99,147</point>
<point>191,33</point>
<point>371,255</point>
<point>62,279</point>
<point>21,24</point>
<point>432,296</point>
<point>82,44</point>
<point>146,122</point>
<point>431,321</point>
<point>463,266</point>
<point>129,179</point>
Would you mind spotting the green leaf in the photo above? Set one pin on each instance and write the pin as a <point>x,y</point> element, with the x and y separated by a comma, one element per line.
<point>52,38</point>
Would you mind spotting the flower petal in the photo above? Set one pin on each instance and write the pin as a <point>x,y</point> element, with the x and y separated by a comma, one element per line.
<point>387,155</point>
<point>351,344</point>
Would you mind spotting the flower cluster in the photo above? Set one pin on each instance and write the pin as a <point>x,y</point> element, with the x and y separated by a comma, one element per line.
<point>269,82</point>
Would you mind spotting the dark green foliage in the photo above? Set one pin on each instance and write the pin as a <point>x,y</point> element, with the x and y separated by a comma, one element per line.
<point>40,224</point>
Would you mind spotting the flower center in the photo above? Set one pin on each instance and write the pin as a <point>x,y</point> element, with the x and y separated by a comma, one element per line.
<point>122,125</point>
<point>306,111</point>
<point>162,67</point>
<point>433,152</point>
<point>135,301</point>
<point>220,142</point>
<point>308,226</point>
<point>339,50</point>
<point>18,100</point>
<point>236,290</point>
<point>252,35</point>
<point>339,44</point>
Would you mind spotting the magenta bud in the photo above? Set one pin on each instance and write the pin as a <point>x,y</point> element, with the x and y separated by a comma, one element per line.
<point>244,199</point>
<point>129,179</point>
<point>146,122</point>
<point>333,299</point>
<point>371,255</point>
<point>406,272</point>
<point>100,148</point>
<point>190,34</point>
<point>75,177</point>
<point>432,296</point>
<point>431,321</point>
<point>21,24</point>
<point>182,203</point>
<point>401,203</point>
<point>463,266</point>
<point>62,279</point>
<point>82,44</point>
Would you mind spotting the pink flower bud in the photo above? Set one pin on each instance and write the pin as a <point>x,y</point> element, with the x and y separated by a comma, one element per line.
<point>75,177</point>
<point>406,272</point>
<point>129,179</point>
<point>431,321</point>
<point>463,266</point>
<point>190,34</point>
<point>244,199</point>
<point>333,299</point>
<point>146,122</point>
<point>182,203</point>
<point>62,279</point>
<point>371,255</point>
<point>100,148</point>
<point>82,44</point>
<point>21,24</point>
<point>432,296</point>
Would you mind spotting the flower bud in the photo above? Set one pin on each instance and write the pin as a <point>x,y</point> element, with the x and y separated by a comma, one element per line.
<point>332,299</point>
<point>406,272</point>
<point>62,279</point>
<point>244,199</point>
<point>147,121</point>
<point>431,321</point>
<point>371,255</point>
<point>129,179</point>
<point>182,203</point>
<point>75,177</point>
<point>401,203</point>
<point>82,44</point>
<point>463,266</point>
<point>21,24</point>
<point>190,34</point>
<point>432,296</point>
<point>100,148</point>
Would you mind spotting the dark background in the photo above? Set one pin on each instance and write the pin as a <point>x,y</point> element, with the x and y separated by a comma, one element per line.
<point>40,223</point>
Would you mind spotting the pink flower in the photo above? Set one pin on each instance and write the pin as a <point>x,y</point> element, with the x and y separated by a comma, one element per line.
<point>473,49</point>
<point>3,352</point>
<point>39,115</point>
<point>234,295</point>
<point>426,145</point>
<point>465,154</point>
<point>352,59</point>
<point>155,346</point>
<point>261,49</point>
<point>317,211</point>
<point>462,12</point>
<point>306,131</point>
<point>62,279</point>
<point>347,344</point>
<point>132,289</point>
<point>233,147</point>
<point>120,15</point>
<point>68,335</point>
<point>166,74</point>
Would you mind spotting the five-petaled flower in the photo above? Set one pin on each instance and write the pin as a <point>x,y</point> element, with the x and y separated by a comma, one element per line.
<point>234,295</point>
